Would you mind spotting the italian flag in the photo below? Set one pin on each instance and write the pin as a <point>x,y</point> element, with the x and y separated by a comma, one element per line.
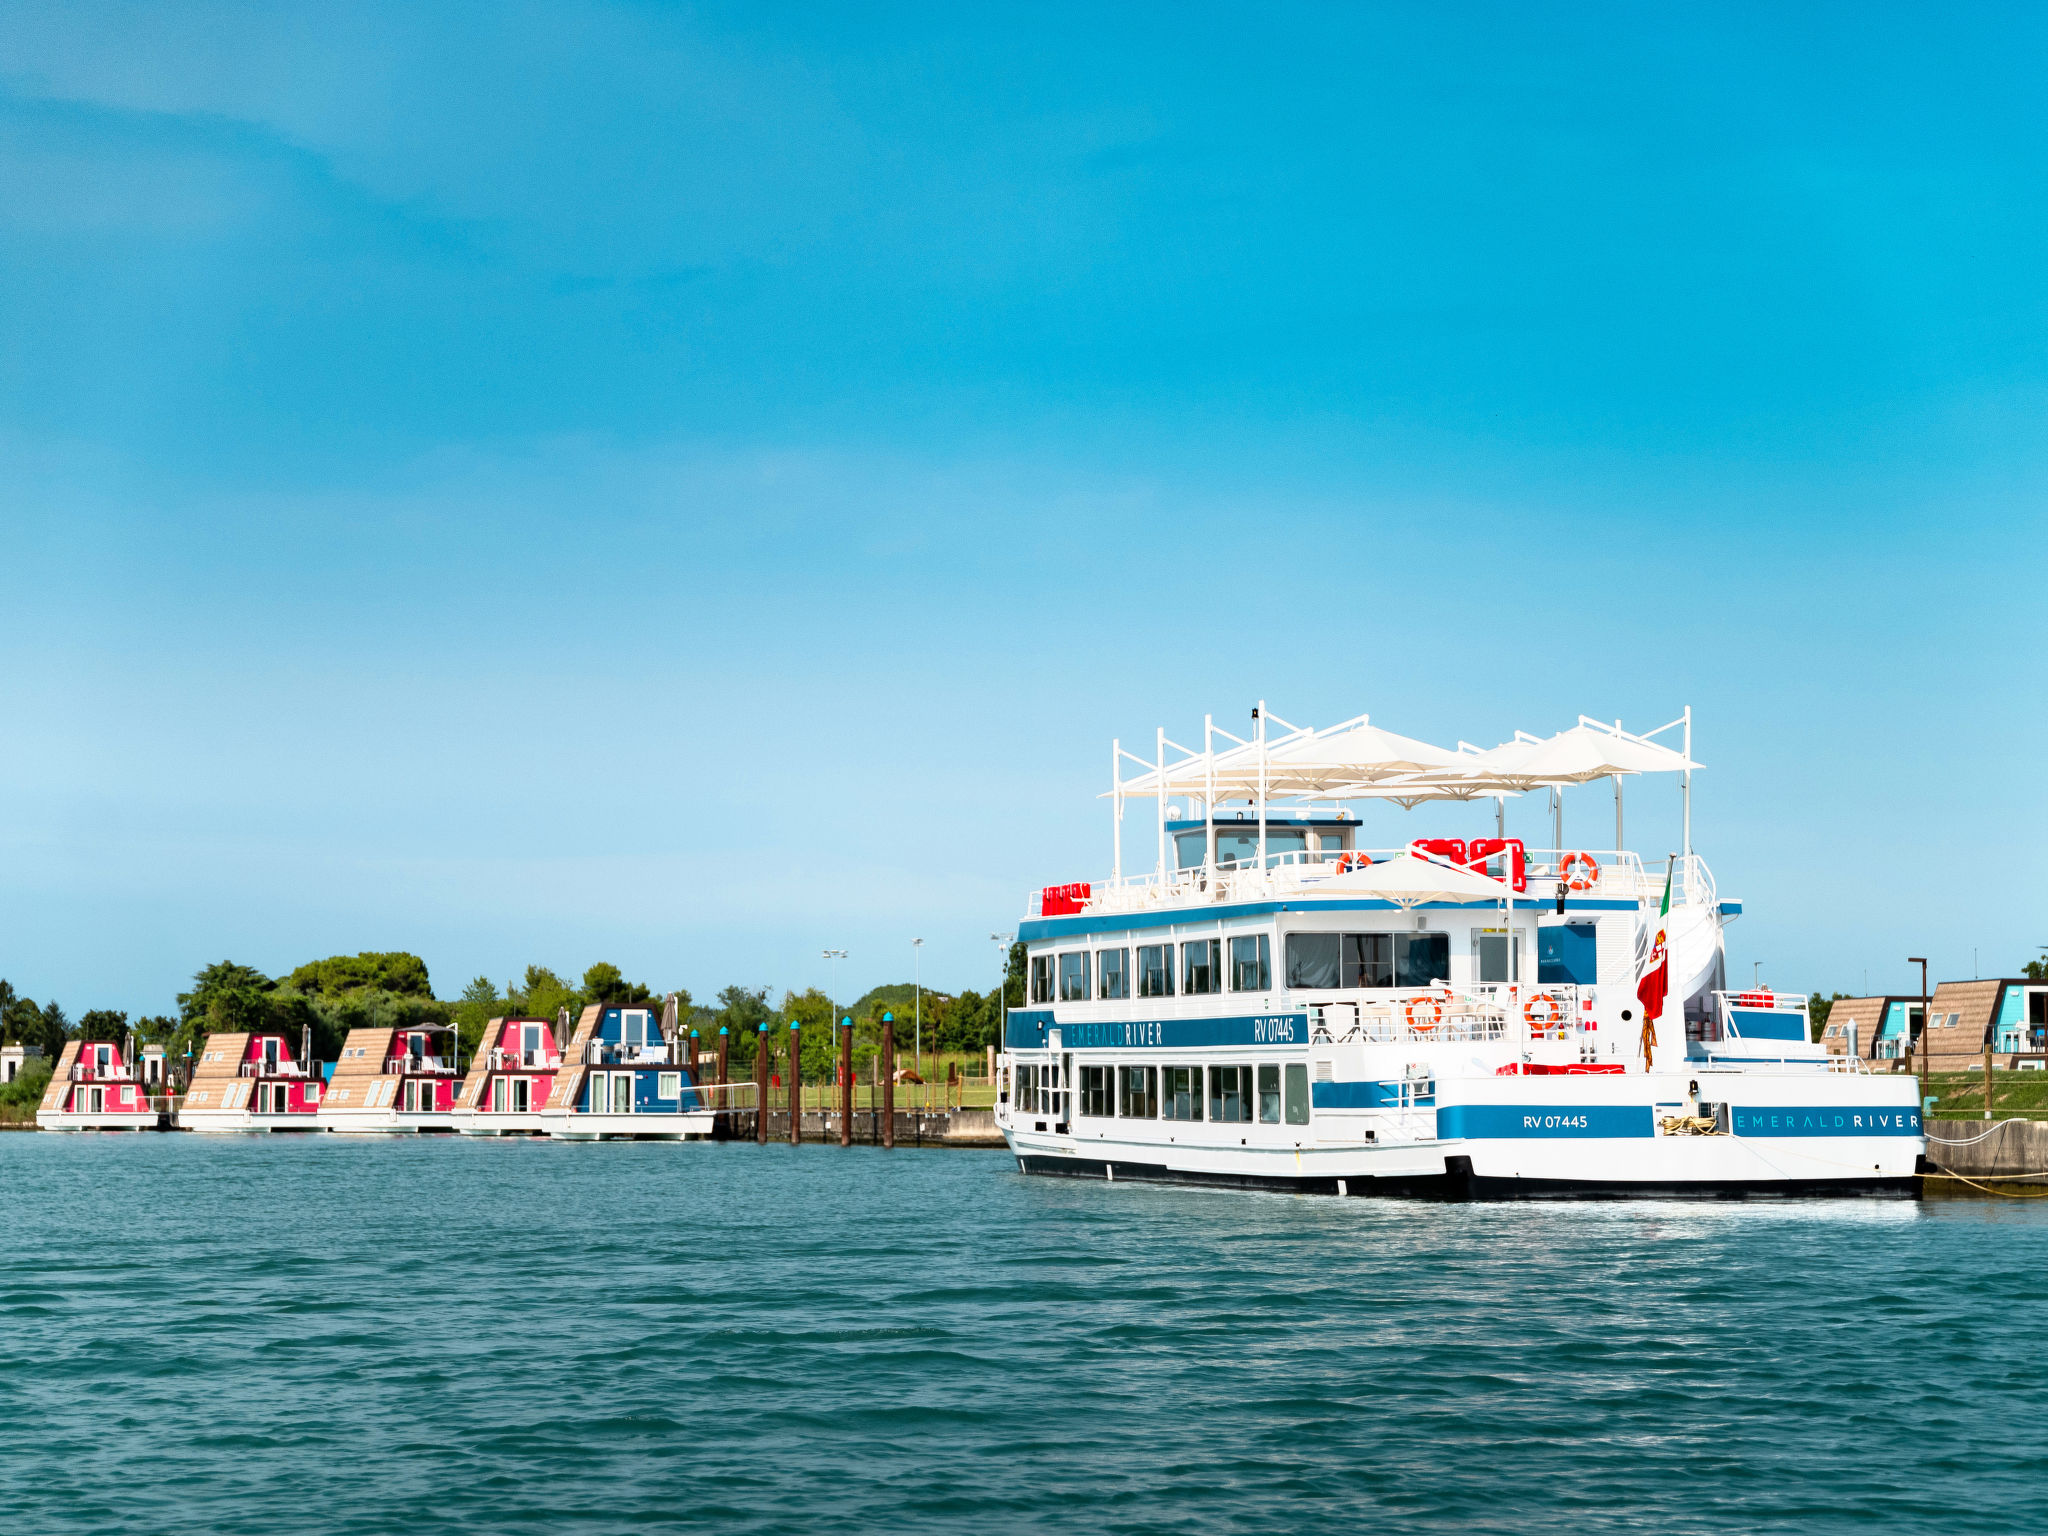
<point>1656,981</point>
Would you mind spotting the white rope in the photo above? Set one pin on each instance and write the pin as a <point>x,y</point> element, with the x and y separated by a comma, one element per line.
<point>1972,1141</point>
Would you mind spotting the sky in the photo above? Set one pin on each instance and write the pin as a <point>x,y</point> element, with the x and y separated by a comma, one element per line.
<point>697,486</point>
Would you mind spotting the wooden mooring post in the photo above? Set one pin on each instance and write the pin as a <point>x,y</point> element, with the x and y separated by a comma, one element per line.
<point>888,1063</point>
<point>1987,1082</point>
<point>846,1081</point>
<point>761,1085</point>
<point>796,1086</point>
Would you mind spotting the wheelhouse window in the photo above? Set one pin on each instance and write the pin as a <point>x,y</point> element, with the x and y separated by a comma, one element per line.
<point>1181,1098</point>
<point>1155,970</point>
<point>1139,1091</point>
<point>1201,966</point>
<point>1239,845</point>
<point>1074,977</point>
<point>1230,1095</point>
<point>1113,974</point>
<point>1041,978</point>
<point>1269,1093</point>
<point>1421,959</point>
<point>1251,963</point>
<point>1095,1092</point>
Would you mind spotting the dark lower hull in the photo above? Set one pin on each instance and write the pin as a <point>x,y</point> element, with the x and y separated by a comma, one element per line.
<point>1459,1182</point>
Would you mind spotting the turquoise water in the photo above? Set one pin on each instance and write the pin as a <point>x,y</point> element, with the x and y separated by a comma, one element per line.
<point>321,1334</point>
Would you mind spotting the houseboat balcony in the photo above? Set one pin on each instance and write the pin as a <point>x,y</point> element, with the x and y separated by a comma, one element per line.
<point>1616,875</point>
<point>86,1072</point>
<point>283,1070</point>
<point>502,1060</point>
<point>601,1053</point>
<point>423,1066</point>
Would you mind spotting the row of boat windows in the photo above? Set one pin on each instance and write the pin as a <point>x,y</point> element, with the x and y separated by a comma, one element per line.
<point>1325,960</point>
<point>1273,1093</point>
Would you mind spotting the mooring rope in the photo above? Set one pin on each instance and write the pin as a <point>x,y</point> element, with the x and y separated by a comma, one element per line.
<point>1972,1141</point>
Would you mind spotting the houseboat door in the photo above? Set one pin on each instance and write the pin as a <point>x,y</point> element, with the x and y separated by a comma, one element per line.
<point>520,1094</point>
<point>95,1100</point>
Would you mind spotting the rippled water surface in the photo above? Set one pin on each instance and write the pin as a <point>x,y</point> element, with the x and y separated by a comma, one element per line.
<point>322,1334</point>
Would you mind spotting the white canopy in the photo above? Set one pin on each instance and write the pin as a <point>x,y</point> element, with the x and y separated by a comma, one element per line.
<point>1408,880</point>
<point>1336,763</point>
<point>1588,751</point>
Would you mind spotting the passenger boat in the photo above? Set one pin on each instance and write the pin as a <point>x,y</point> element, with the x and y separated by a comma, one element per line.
<point>510,1079</point>
<point>623,1077</point>
<point>95,1087</point>
<point>251,1082</point>
<point>393,1081</point>
<point>1277,1005</point>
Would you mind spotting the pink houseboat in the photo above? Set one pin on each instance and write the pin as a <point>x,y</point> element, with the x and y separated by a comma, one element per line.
<point>393,1081</point>
<point>94,1088</point>
<point>250,1082</point>
<point>510,1079</point>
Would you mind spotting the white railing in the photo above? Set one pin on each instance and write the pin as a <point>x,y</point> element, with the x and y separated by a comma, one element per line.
<point>603,1053</point>
<point>1422,1016</point>
<point>500,1058</point>
<point>278,1070</point>
<point>90,1072</point>
<point>1621,875</point>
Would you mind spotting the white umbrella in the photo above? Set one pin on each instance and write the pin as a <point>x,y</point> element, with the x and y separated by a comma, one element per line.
<point>1578,756</point>
<point>1303,763</point>
<point>1409,880</point>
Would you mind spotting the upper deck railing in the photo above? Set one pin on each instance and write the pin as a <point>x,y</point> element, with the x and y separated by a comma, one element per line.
<point>1621,876</point>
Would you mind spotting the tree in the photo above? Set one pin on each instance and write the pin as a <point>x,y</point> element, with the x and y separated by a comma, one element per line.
<point>2036,970</point>
<point>1013,978</point>
<point>811,1010</point>
<point>102,1024</point>
<point>480,1004</point>
<point>222,979</point>
<point>741,1012</point>
<point>1817,1010</point>
<point>394,971</point>
<point>542,994</point>
<point>28,1024</point>
<point>155,1029</point>
<point>26,1091</point>
<point>604,986</point>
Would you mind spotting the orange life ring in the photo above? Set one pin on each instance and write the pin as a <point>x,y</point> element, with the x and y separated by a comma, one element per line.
<point>1349,861</point>
<point>1584,876</point>
<point>1436,1013</point>
<point>1553,1012</point>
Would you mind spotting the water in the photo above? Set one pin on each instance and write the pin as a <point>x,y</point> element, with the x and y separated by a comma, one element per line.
<point>321,1334</point>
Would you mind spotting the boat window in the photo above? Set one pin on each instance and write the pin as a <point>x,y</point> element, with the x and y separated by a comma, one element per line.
<point>1494,951</point>
<point>1269,1093</point>
<point>1368,959</point>
<point>1041,978</point>
<point>1095,1092</point>
<point>1140,1093</point>
<point>1421,959</point>
<point>1237,845</point>
<point>1182,1095</point>
<point>1190,849</point>
<point>1113,972</point>
<point>1027,1088</point>
<point>1251,963</point>
<point>1312,959</point>
<point>1297,1093</point>
<point>1230,1094</point>
<point>1155,970</point>
<point>668,1085</point>
<point>1201,966</point>
<point>1074,977</point>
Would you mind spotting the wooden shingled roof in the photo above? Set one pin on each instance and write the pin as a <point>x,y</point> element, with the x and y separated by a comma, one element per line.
<point>60,1075</point>
<point>218,1066</point>
<point>1976,1005</point>
<point>363,1056</point>
<point>569,1080</point>
<point>1866,1013</point>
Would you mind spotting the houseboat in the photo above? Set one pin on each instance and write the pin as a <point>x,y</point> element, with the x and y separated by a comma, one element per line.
<point>251,1082</point>
<point>95,1087</point>
<point>624,1076</point>
<point>511,1078</point>
<point>393,1081</point>
<point>1276,1004</point>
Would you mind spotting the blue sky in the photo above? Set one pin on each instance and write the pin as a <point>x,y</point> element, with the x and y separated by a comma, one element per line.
<point>690,486</point>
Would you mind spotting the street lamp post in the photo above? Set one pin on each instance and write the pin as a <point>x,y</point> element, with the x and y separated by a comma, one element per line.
<point>1923,1042</point>
<point>1002,943</point>
<point>917,1006</point>
<point>835,956</point>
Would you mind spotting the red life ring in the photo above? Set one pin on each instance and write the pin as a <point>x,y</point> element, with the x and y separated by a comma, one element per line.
<point>1579,871</point>
<point>1436,1013</point>
<point>1553,1012</point>
<point>1350,861</point>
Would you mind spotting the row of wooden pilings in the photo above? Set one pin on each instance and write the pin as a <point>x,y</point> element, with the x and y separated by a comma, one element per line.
<point>796,1080</point>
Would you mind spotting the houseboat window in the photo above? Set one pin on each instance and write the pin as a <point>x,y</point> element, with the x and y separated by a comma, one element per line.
<point>497,1095</point>
<point>635,1027</point>
<point>1041,978</point>
<point>668,1085</point>
<point>1182,1099</point>
<point>1251,963</point>
<point>1201,966</point>
<point>1312,959</point>
<point>1074,977</point>
<point>1155,970</point>
<point>1269,1093</point>
<point>1140,1093</point>
<point>1421,959</point>
<point>1297,1093</point>
<point>531,1037</point>
<point>270,1055</point>
<point>1095,1091</point>
<point>1113,973</point>
<point>1230,1094</point>
<point>1495,951</point>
